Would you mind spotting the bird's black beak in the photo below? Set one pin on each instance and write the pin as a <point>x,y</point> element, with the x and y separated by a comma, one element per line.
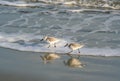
<point>41,40</point>
<point>66,45</point>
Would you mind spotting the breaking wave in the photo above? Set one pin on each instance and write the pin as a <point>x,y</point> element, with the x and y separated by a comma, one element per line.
<point>33,44</point>
<point>104,4</point>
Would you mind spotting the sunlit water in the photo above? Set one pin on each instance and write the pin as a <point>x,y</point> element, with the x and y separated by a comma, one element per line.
<point>23,24</point>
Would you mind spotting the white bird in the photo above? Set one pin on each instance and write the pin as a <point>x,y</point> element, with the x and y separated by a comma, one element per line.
<point>51,40</point>
<point>74,46</point>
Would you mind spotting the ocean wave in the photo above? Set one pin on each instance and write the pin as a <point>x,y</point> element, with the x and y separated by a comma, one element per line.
<point>20,4</point>
<point>32,43</point>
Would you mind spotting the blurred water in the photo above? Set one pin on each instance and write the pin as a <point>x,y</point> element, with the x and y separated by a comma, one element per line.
<point>23,24</point>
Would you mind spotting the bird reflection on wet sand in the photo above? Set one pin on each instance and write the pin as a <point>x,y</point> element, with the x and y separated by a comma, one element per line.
<point>74,62</point>
<point>48,58</point>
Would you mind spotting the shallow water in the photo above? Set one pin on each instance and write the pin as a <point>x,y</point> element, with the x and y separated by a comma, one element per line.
<point>22,27</point>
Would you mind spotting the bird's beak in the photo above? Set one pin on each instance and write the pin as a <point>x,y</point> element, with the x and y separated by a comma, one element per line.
<point>66,45</point>
<point>41,40</point>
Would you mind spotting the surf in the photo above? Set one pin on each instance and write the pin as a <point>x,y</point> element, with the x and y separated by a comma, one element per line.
<point>33,44</point>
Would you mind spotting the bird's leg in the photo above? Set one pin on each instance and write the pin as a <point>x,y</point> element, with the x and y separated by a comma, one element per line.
<point>48,45</point>
<point>78,51</point>
<point>78,54</point>
<point>55,45</point>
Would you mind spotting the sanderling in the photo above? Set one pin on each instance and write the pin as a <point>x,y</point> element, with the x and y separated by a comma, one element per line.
<point>74,46</point>
<point>74,62</point>
<point>50,40</point>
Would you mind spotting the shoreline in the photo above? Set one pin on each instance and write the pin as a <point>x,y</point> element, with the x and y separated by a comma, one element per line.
<point>47,52</point>
<point>27,66</point>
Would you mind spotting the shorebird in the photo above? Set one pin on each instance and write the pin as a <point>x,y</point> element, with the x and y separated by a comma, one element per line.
<point>49,57</point>
<point>74,62</point>
<point>50,40</point>
<point>74,46</point>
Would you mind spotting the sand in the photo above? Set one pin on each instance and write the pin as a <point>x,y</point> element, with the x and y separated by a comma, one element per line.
<point>28,66</point>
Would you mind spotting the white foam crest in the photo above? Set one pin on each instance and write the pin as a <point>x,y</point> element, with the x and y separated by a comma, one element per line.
<point>67,3</point>
<point>20,4</point>
<point>17,36</point>
<point>90,10</point>
<point>9,41</point>
<point>84,51</point>
<point>8,38</point>
<point>70,3</point>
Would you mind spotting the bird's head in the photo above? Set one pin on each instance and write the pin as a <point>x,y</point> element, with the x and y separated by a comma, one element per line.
<point>44,38</point>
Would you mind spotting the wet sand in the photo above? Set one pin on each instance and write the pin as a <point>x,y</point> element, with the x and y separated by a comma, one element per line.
<point>28,66</point>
